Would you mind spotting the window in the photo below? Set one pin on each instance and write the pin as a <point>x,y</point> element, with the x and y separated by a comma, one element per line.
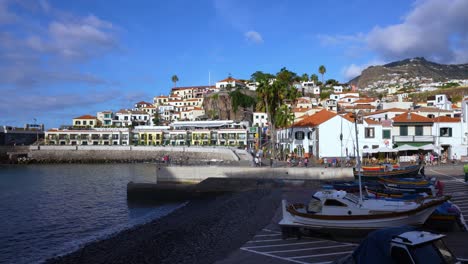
<point>386,134</point>
<point>445,131</point>
<point>309,135</point>
<point>369,132</point>
<point>401,256</point>
<point>403,130</point>
<point>299,135</point>
<point>84,122</point>
<point>90,122</point>
<point>332,202</point>
<point>418,130</point>
<point>77,123</point>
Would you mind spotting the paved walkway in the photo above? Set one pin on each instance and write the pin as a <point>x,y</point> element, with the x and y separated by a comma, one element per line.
<point>267,246</point>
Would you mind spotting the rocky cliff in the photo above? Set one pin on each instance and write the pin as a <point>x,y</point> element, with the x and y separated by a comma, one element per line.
<point>219,106</point>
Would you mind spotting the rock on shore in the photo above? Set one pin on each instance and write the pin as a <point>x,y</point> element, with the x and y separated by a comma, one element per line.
<point>203,231</point>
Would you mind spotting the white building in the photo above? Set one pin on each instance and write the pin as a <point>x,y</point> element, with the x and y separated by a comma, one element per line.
<point>450,136</point>
<point>229,82</point>
<point>440,101</point>
<point>260,119</point>
<point>329,135</point>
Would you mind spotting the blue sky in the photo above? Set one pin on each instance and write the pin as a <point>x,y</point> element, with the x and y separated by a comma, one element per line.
<point>63,59</point>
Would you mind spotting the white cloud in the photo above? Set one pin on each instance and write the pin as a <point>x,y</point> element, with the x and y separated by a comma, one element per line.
<point>253,36</point>
<point>354,70</point>
<point>433,29</point>
<point>54,51</point>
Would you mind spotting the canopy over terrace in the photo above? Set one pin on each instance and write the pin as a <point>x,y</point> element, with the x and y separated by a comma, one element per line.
<point>386,151</point>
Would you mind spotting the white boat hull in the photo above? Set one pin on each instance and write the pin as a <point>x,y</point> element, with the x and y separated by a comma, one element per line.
<point>414,219</point>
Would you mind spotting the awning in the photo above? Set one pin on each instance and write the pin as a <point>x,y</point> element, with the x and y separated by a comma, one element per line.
<point>429,147</point>
<point>384,150</point>
<point>406,148</point>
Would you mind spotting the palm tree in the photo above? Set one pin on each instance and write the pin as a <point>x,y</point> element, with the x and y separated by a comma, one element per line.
<point>175,79</point>
<point>305,77</point>
<point>271,95</point>
<point>314,78</point>
<point>322,71</point>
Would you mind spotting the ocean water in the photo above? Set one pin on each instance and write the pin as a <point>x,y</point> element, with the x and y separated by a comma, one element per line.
<point>51,210</point>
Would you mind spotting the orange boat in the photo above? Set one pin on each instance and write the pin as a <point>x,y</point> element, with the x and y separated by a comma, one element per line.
<point>379,167</point>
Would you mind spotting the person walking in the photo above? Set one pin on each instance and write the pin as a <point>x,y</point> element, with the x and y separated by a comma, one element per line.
<point>306,161</point>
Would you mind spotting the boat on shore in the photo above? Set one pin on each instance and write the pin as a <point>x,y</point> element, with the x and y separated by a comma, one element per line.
<point>333,211</point>
<point>407,185</point>
<point>380,167</point>
<point>402,172</point>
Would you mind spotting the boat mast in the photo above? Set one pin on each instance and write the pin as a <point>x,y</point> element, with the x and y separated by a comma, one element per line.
<point>357,157</point>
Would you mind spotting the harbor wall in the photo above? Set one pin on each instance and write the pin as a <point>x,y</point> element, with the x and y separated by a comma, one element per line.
<point>178,155</point>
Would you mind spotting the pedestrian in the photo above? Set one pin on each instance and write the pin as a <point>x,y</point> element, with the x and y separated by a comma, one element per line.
<point>306,161</point>
<point>325,161</point>
<point>257,161</point>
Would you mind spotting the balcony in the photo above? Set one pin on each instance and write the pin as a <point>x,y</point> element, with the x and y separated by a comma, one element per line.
<point>429,139</point>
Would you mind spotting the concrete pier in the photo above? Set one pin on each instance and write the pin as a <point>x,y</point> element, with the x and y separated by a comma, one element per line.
<point>197,174</point>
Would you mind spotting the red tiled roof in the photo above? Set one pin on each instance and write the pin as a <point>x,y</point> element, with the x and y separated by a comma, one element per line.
<point>430,109</point>
<point>408,117</point>
<point>301,109</point>
<point>229,79</point>
<point>365,100</point>
<point>315,119</point>
<point>446,119</point>
<point>85,117</point>
<point>454,106</point>
<point>143,102</point>
<point>349,117</point>
<point>361,106</point>
<point>371,121</point>
<point>388,110</point>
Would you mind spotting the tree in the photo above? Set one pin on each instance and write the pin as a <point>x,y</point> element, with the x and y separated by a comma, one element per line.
<point>322,71</point>
<point>305,77</point>
<point>157,118</point>
<point>271,92</point>
<point>314,78</point>
<point>332,82</point>
<point>175,79</point>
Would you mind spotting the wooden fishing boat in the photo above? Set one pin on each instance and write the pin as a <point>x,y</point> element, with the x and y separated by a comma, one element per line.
<point>390,194</point>
<point>402,172</point>
<point>381,167</point>
<point>333,211</point>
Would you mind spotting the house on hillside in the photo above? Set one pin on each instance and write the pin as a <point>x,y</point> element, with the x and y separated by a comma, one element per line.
<point>440,101</point>
<point>230,82</point>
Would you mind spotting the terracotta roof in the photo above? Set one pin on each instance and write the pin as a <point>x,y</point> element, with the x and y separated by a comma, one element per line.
<point>446,119</point>
<point>409,117</point>
<point>162,96</point>
<point>315,119</point>
<point>85,117</point>
<point>193,87</point>
<point>229,79</point>
<point>350,96</point>
<point>365,100</point>
<point>454,106</point>
<point>297,109</point>
<point>349,117</point>
<point>197,108</point>
<point>388,110</point>
<point>430,109</point>
<point>361,106</point>
<point>149,106</point>
<point>143,102</point>
<point>371,121</point>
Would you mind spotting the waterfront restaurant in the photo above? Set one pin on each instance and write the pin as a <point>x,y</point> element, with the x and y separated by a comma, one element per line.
<point>96,136</point>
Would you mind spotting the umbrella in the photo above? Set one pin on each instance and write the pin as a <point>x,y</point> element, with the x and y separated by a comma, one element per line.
<point>406,148</point>
<point>385,150</point>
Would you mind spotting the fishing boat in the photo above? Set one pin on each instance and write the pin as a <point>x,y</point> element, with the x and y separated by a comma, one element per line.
<point>407,185</point>
<point>334,211</point>
<point>380,167</point>
<point>402,172</point>
<point>391,194</point>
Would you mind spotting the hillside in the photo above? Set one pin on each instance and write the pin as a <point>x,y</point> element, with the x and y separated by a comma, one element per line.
<point>409,69</point>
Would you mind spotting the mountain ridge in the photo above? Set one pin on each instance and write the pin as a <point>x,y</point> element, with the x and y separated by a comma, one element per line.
<point>417,67</point>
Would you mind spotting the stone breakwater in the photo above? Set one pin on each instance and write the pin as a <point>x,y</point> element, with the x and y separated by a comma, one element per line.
<point>177,155</point>
<point>203,231</point>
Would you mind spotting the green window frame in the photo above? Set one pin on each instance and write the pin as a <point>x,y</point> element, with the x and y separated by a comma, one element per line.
<point>403,130</point>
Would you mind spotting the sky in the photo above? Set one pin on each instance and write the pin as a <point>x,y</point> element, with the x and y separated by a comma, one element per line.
<point>64,59</point>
